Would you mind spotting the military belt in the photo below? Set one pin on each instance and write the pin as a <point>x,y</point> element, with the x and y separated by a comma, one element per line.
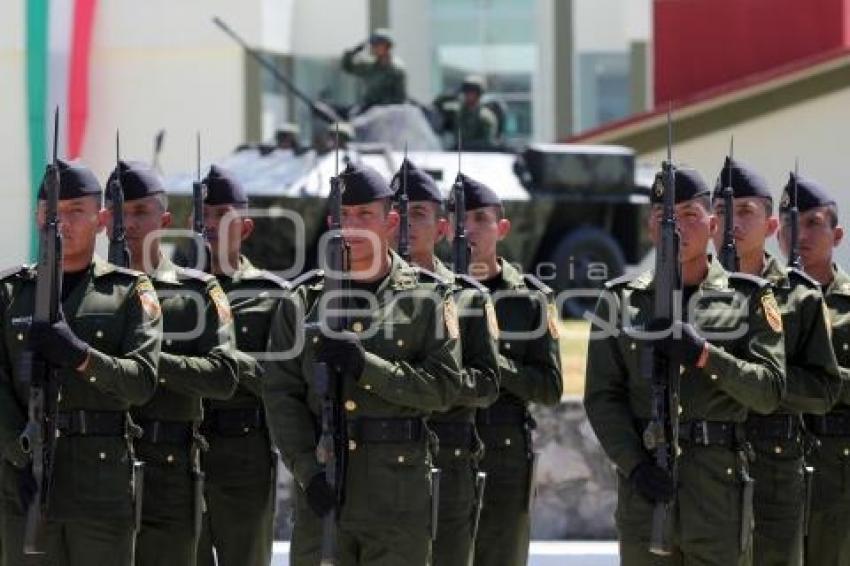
<point>167,432</point>
<point>453,434</point>
<point>708,433</point>
<point>386,431</point>
<point>830,424</point>
<point>502,415</point>
<point>234,422</point>
<point>773,427</point>
<point>92,423</point>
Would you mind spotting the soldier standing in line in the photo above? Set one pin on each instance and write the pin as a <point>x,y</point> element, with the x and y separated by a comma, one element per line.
<point>530,371</point>
<point>460,448</point>
<point>478,125</point>
<point>400,353</point>
<point>105,348</point>
<point>197,361</point>
<point>812,378</point>
<point>383,75</point>
<point>740,370</point>
<point>828,539</point>
<point>241,461</point>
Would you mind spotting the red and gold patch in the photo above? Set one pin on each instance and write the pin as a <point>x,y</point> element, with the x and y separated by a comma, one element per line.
<point>771,312</point>
<point>148,299</point>
<point>552,315</point>
<point>222,305</point>
<point>450,314</point>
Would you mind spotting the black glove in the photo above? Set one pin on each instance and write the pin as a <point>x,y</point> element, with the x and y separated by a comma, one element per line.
<point>345,353</point>
<point>320,496</point>
<point>26,487</point>
<point>682,342</point>
<point>58,344</point>
<point>653,483</point>
<point>357,48</point>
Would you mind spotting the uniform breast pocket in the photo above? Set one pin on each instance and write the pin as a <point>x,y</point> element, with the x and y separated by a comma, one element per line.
<point>399,481</point>
<point>101,331</point>
<point>100,469</point>
<point>841,345</point>
<point>252,327</point>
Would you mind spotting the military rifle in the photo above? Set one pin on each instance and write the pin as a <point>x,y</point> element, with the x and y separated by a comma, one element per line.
<point>661,435</point>
<point>729,252</point>
<point>332,449</point>
<point>119,253</point>
<point>39,436</point>
<point>403,212</point>
<point>198,256</point>
<point>794,220</point>
<point>158,141</point>
<point>323,111</point>
<point>457,206</point>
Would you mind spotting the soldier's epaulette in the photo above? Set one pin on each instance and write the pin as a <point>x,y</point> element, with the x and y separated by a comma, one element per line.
<point>621,280</point>
<point>469,282</point>
<point>16,270</point>
<point>195,274</point>
<point>311,277</point>
<point>426,276</point>
<point>802,278</point>
<point>263,275</point>
<point>753,280</point>
<point>118,270</point>
<point>533,282</point>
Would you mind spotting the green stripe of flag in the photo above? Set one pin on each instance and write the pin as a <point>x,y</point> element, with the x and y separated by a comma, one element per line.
<point>37,26</point>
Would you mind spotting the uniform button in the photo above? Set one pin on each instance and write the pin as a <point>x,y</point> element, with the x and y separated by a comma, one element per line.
<point>400,343</point>
<point>357,326</point>
<point>367,387</point>
<point>99,333</point>
<point>352,445</point>
<point>401,459</point>
<point>847,451</point>
<point>20,336</point>
<point>92,379</point>
<point>714,377</point>
<point>678,451</point>
<point>728,471</point>
<point>315,339</point>
<point>457,452</point>
<point>507,345</point>
<point>680,409</point>
<point>350,405</point>
<point>244,329</point>
<point>246,429</point>
<point>632,346</point>
<point>681,370</point>
<point>845,346</point>
<point>168,342</point>
<point>777,449</point>
<point>162,380</point>
<point>169,458</point>
<point>507,442</point>
<point>103,455</point>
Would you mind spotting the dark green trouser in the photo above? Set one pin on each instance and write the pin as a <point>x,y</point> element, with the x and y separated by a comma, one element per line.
<point>240,493</point>
<point>503,535</point>
<point>387,512</point>
<point>707,529</point>
<point>75,542</point>
<point>453,544</point>
<point>828,541</point>
<point>167,536</point>
<point>778,503</point>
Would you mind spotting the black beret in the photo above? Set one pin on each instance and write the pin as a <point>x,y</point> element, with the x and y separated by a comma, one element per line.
<point>745,181</point>
<point>75,181</point>
<point>420,185</point>
<point>473,82</point>
<point>689,185</point>
<point>223,188</point>
<point>381,35</point>
<point>476,193</point>
<point>362,185</point>
<point>138,180</point>
<point>810,194</point>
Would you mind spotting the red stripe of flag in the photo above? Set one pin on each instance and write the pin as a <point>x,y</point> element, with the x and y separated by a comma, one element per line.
<point>78,82</point>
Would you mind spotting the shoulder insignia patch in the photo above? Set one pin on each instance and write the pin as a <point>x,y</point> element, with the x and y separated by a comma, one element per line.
<point>450,314</point>
<point>492,320</point>
<point>148,298</point>
<point>222,306</point>
<point>553,318</point>
<point>771,311</point>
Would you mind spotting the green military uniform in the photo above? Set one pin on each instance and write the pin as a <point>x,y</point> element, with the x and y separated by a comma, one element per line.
<point>478,127</point>
<point>197,362</point>
<point>383,83</point>
<point>241,462</point>
<point>91,507</point>
<point>828,539</point>
<point>460,448</point>
<point>742,373</point>
<point>813,385</point>
<point>530,369</point>
<point>412,368</point>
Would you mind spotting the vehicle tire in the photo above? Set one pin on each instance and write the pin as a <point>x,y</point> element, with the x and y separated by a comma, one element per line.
<point>578,259</point>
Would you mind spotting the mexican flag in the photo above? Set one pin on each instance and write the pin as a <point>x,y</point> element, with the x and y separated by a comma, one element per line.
<point>58,43</point>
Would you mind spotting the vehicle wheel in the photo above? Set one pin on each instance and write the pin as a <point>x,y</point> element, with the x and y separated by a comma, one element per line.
<point>584,259</point>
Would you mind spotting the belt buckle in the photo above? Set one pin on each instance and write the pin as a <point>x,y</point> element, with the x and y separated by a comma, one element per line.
<point>703,427</point>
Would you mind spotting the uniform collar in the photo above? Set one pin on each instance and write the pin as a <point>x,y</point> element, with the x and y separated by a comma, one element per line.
<point>101,267</point>
<point>166,271</point>
<point>840,282</point>
<point>245,270</point>
<point>775,272</point>
<point>716,278</point>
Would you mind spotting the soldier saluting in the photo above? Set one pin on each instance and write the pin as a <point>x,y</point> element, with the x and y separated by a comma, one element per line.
<point>812,379</point>
<point>740,369</point>
<point>397,360</point>
<point>196,362</point>
<point>383,75</point>
<point>105,349</point>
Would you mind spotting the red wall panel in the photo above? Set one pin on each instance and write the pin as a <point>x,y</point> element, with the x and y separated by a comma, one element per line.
<point>701,44</point>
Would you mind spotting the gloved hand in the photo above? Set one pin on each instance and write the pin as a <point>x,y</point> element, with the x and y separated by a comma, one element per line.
<point>58,344</point>
<point>681,342</point>
<point>345,353</point>
<point>358,48</point>
<point>320,496</point>
<point>26,487</point>
<point>653,483</point>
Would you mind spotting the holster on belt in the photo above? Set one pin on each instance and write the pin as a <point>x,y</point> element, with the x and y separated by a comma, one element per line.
<point>137,471</point>
<point>199,444</point>
<point>533,458</point>
<point>435,501</point>
<point>748,485</point>
<point>808,483</point>
<point>480,484</point>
